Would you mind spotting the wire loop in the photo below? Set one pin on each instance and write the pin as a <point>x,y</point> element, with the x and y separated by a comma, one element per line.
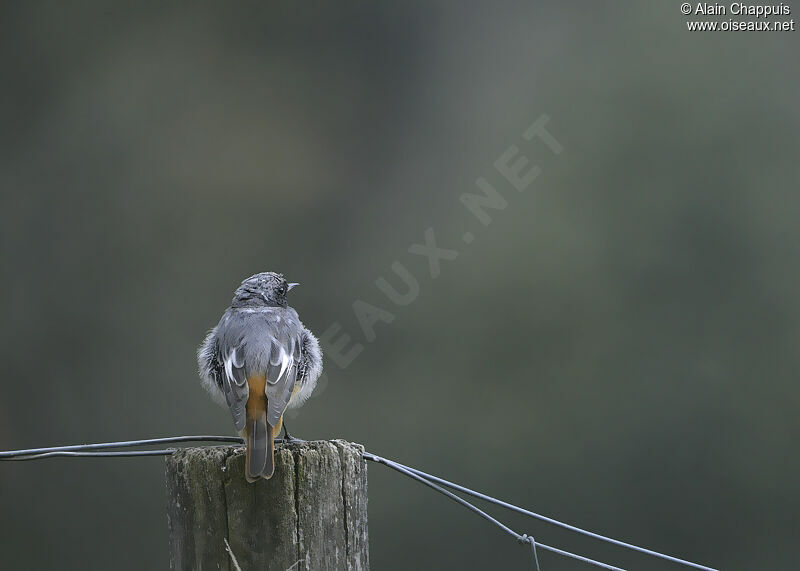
<point>529,539</point>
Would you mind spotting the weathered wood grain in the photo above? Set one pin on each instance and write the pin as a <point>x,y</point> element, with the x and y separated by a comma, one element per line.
<point>311,515</point>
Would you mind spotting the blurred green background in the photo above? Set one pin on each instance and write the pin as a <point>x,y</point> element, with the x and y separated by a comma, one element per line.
<point>617,349</point>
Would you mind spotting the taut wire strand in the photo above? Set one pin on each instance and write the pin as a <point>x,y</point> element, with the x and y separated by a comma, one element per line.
<point>101,449</point>
<point>550,520</point>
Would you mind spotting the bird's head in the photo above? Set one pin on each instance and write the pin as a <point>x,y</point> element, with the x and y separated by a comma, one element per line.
<point>267,289</point>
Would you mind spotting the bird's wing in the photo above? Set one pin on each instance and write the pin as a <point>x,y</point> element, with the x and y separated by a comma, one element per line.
<point>282,366</point>
<point>268,344</point>
<point>229,347</point>
<point>234,384</point>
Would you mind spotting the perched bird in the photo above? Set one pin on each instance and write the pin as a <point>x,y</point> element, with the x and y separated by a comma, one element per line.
<point>260,360</point>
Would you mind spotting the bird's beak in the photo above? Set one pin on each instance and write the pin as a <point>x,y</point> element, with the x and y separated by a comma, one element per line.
<point>292,285</point>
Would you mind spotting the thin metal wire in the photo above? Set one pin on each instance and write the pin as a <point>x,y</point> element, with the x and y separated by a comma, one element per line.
<point>123,444</point>
<point>522,538</point>
<point>550,520</point>
<point>529,539</point>
<point>86,450</point>
<point>99,449</point>
<point>88,454</point>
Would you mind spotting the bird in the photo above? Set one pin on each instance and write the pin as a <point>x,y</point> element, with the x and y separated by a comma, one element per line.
<point>259,361</point>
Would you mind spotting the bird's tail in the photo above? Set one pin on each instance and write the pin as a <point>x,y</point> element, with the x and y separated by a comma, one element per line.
<point>260,456</point>
<point>260,453</point>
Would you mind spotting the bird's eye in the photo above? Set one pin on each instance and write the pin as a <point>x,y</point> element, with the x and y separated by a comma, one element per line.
<point>282,290</point>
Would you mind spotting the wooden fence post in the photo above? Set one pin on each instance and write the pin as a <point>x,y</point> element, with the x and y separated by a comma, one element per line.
<point>311,515</point>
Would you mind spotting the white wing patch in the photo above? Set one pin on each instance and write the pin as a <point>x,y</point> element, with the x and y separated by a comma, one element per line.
<point>281,357</point>
<point>233,360</point>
